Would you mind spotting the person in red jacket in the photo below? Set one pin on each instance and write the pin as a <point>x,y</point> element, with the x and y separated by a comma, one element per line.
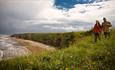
<point>97,31</point>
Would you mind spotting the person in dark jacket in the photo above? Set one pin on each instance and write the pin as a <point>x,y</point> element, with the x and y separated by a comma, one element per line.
<point>97,31</point>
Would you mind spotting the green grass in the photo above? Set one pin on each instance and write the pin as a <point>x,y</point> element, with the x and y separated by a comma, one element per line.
<point>59,40</point>
<point>82,55</point>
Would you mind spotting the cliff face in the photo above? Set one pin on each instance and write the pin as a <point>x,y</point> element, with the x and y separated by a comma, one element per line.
<point>9,48</point>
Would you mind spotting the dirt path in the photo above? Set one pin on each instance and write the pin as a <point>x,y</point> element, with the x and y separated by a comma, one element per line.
<point>34,47</point>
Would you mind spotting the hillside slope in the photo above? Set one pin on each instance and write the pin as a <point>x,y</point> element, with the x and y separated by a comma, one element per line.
<point>34,47</point>
<point>83,55</point>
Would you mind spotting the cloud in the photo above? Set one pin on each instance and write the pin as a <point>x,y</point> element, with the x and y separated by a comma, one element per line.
<point>82,12</point>
<point>19,16</point>
<point>86,13</point>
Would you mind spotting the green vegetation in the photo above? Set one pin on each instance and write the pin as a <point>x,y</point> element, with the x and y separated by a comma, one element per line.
<point>81,55</point>
<point>58,40</point>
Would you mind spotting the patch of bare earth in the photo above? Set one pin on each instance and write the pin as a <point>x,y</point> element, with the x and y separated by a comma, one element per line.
<point>34,47</point>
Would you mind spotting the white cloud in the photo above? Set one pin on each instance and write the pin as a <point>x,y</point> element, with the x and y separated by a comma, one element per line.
<point>66,28</point>
<point>84,13</point>
<point>92,11</point>
<point>42,13</point>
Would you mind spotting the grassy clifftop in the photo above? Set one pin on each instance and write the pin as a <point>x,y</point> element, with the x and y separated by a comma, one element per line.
<point>83,55</point>
<point>58,40</point>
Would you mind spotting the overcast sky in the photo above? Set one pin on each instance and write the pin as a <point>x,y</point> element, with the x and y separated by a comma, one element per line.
<point>19,16</point>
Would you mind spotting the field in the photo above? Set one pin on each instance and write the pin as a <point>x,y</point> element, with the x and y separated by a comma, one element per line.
<point>75,51</point>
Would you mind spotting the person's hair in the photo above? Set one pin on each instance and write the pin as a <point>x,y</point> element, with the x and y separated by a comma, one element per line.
<point>104,18</point>
<point>97,22</point>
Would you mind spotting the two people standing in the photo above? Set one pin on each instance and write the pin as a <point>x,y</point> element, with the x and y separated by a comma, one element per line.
<point>98,28</point>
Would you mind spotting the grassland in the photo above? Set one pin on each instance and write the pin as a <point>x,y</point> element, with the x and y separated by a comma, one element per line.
<point>80,54</point>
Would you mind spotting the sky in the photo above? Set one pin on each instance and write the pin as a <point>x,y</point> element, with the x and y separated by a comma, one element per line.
<point>22,16</point>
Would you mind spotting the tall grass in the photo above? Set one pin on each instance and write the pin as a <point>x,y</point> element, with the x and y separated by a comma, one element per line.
<point>83,55</point>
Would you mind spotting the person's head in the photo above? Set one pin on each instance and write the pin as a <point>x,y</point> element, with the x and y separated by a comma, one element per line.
<point>104,19</point>
<point>97,23</point>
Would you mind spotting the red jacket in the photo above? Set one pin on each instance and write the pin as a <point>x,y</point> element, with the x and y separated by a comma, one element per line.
<point>97,29</point>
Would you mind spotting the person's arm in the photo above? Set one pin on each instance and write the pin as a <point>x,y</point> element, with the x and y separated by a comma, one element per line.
<point>110,25</point>
<point>102,25</point>
<point>94,27</point>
